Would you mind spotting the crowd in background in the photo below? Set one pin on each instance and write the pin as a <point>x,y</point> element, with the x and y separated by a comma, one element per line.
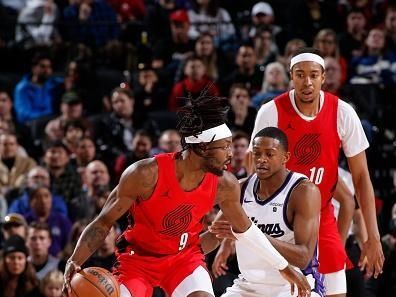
<point>87,87</point>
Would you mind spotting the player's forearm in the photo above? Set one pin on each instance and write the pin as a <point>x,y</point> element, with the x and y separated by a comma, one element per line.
<point>344,220</point>
<point>90,240</point>
<point>296,255</point>
<point>209,242</point>
<point>365,196</point>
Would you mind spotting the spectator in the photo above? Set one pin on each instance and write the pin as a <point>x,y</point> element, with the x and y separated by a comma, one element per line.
<point>51,285</point>
<point>6,114</point>
<point>105,256</point>
<point>333,82</point>
<point>114,131</point>
<point>265,51</point>
<point>376,65</point>
<point>208,16</point>
<point>71,109</point>
<point>205,49</point>
<point>40,200</point>
<point>262,15</point>
<point>326,42</point>
<point>193,85</point>
<point>35,177</point>
<point>13,167</point>
<point>247,72</point>
<point>36,94</point>
<point>85,153</point>
<point>14,224</point>
<point>171,52</point>
<point>38,242</point>
<point>351,41</point>
<point>141,147</point>
<point>17,275</point>
<point>275,82</point>
<point>89,204</point>
<point>150,92</point>
<point>74,131</point>
<point>241,115</point>
<point>64,180</point>
<point>240,144</point>
<point>36,23</point>
<point>169,142</point>
<point>91,22</point>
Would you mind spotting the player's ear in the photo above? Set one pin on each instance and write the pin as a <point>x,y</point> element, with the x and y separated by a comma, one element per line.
<point>286,158</point>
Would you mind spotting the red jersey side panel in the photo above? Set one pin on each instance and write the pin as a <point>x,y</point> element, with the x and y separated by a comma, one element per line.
<point>314,145</point>
<point>171,219</point>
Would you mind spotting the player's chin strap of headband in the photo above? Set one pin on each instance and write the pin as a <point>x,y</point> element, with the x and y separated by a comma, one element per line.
<point>209,135</point>
<point>307,57</point>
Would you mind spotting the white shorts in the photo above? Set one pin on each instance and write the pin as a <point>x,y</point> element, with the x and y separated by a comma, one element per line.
<point>335,282</point>
<point>244,288</point>
<point>199,280</point>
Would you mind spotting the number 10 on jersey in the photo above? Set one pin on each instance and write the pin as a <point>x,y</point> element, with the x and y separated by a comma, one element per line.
<point>183,241</point>
<point>316,175</point>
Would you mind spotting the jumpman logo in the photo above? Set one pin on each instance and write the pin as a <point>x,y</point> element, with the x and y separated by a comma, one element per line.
<point>289,126</point>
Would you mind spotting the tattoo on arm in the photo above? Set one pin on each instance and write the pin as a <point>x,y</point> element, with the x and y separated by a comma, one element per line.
<point>94,237</point>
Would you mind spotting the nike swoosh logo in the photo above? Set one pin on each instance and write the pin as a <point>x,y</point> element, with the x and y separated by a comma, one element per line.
<point>247,201</point>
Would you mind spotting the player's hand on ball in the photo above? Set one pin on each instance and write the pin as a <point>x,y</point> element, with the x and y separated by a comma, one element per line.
<point>296,279</point>
<point>71,269</point>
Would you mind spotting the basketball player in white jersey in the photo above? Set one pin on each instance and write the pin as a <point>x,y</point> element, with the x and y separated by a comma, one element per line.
<point>285,205</point>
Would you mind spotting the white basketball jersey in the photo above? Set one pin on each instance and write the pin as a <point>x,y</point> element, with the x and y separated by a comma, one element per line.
<point>270,216</point>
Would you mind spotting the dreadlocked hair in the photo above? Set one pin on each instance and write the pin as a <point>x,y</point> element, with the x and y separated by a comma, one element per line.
<point>201,113</point>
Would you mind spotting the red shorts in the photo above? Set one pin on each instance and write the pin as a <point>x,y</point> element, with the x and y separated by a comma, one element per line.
<point>332,255</point>
<point>141,273</point>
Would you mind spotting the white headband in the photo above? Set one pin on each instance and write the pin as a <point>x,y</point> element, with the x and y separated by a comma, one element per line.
<point>307,57</point>
<point>212,134</point>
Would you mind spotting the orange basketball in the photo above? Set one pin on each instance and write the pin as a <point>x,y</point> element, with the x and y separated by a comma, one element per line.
<point>94,282</point>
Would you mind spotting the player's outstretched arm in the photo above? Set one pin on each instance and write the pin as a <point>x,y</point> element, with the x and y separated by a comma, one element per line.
<point>137,181</point>
<point>372,248</point>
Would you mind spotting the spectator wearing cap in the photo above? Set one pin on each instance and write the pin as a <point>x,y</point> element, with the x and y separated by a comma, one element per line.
<point>263,15</point>
<point>71,109</point>
<point>36,94</point>
<point>172,52</point>
<point>208,16</point>
<point>40,200</point>
<point>35,177</point>
<point>39,242</point>
<point>14,224</point>
<point>17,275</point>
<point>65,181</point>
<point>13,167</point>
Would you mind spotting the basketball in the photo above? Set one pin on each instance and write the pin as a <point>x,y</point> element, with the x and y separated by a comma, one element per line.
<point>94,282</point>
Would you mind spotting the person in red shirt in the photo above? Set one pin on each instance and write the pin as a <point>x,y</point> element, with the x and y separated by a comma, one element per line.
<point>317,123</point>
<point>168,197</point>
<point>196,80</point>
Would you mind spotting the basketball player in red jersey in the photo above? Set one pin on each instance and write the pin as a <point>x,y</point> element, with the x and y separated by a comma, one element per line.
<point>168,196</point>
<point>317,124</point>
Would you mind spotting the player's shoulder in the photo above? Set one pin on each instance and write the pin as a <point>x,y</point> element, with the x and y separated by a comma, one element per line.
<point>305,190</point>
<point>267,107</point>
<point>143,169</point>
<point>344,108</point>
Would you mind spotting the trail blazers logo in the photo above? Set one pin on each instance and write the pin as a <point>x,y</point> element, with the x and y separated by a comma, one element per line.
<point>176,222</point>
<point>307,149</point>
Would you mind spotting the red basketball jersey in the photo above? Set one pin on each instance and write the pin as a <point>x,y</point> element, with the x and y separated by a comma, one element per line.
<point>171,219</point>
<point>314,145</point>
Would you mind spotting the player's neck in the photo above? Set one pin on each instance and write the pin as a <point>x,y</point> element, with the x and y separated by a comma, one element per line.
<point>189,171</point>
<point>309,109</point>
<point>267,187</point>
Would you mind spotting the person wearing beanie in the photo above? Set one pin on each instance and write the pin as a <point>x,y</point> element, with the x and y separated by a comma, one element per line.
<point>17,275</point>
